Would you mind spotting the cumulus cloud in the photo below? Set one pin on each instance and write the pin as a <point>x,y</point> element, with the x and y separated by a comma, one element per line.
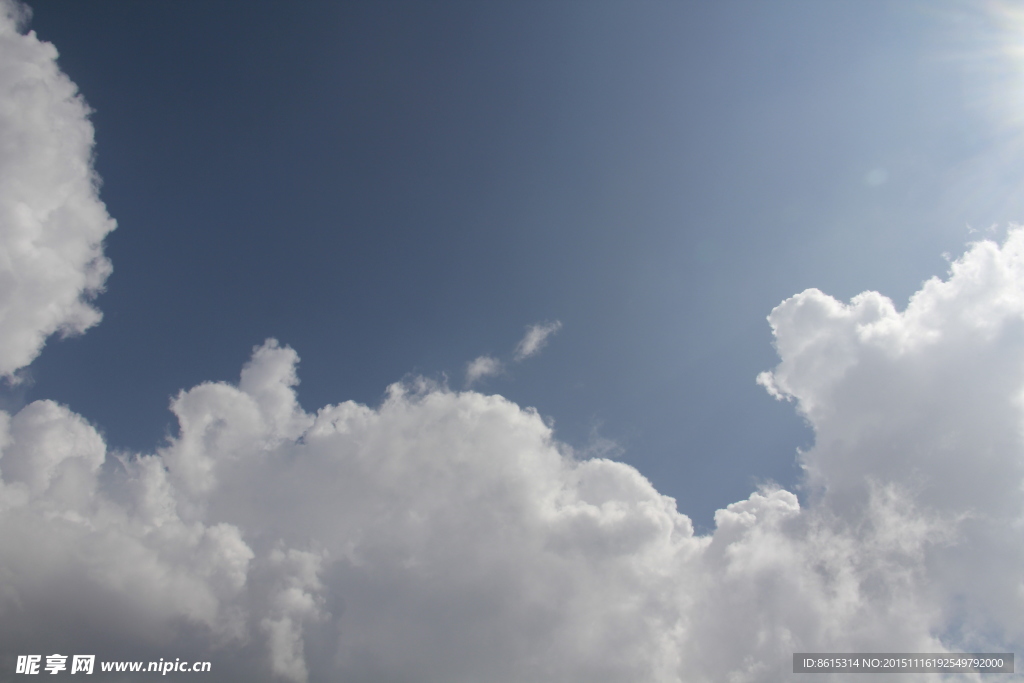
<point>536,338</point>
<point>52,222</point>
<point>447,536</point>
<point>482,366</point>
<point>925,404</point>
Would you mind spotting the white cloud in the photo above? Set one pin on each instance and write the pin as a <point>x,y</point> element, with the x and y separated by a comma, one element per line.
<point>536,338</point>
<point>531,344</point>
<point>926,404</point>
<point>446,536</point>
<point>52,222</point>
<point>480,367</point>
<point>442,536</point>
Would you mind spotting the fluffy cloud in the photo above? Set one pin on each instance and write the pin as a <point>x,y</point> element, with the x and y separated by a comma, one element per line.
<point>442,536</point>
<point>925,404</point>
<point>52,222</point>
<point>447,536</point>
<point>536,338</point>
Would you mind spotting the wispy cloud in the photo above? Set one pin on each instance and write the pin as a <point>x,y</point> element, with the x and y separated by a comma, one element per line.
<point>531,344</point>
<point>481,367</point>
<point>536,338</point>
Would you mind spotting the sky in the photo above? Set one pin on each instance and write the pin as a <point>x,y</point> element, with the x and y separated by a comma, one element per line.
<point>510,341</point>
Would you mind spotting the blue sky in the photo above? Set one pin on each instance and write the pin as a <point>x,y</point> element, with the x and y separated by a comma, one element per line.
<point>401,194</point>
<point>399,188</point>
